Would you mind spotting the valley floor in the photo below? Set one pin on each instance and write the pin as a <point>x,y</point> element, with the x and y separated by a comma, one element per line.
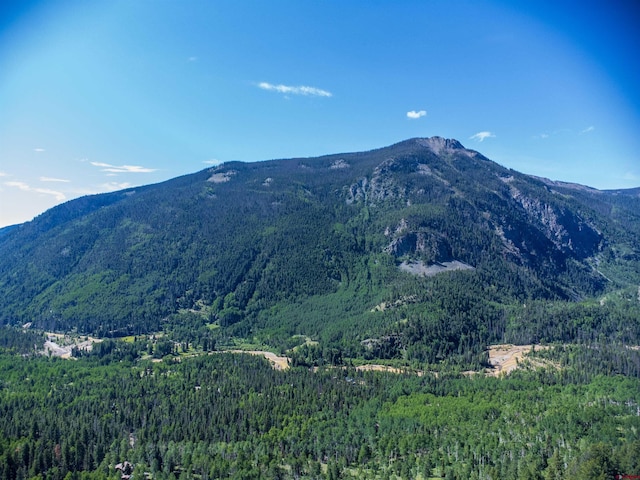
<point>503,358</point>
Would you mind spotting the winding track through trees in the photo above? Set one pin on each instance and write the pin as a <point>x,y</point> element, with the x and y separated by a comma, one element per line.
<point>502,358</point>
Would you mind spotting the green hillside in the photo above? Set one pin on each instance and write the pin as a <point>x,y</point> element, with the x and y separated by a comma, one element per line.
<point>384,277</point>
<point>339,250</point>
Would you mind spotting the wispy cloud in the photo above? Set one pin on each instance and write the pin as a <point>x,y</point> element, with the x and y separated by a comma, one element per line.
<point>105,167</point>
<point>559,132</point>
<point>295,90</point>
<point>51,179</point>
<point>480,136</point>
<point>4,174</point>
<point>38,150</point>
<point>27,188</point>
<point>212,161</point>
<point>413,114</point>
<point>192,59</point>
<point>113,186</point>
<point>589,129</point>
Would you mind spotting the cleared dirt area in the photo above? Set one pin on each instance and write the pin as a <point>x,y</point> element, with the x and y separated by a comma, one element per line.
<point>506,358</point>
<point>279,363</point>
<point>58,345</point>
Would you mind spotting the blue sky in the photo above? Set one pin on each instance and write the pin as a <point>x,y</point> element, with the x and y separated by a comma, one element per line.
<point>103,95</point>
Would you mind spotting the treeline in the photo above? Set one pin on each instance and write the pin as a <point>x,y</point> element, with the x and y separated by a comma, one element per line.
<point>602,357</point>
<point>233,416</point>
<point>20,341</point>
<point>451,317</point>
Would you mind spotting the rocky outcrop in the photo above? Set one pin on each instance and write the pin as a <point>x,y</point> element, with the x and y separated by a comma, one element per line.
<point>381,186</point>
<point>439,145</point>
<point>565,229</point>
<point>429,246</point>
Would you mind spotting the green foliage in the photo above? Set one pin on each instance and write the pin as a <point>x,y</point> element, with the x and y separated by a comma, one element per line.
<point>302,256</point>
<point>14,340</point>
<point>234,416</point>
<point>243,239</point>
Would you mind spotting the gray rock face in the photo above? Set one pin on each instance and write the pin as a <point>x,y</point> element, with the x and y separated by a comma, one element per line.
<point>565,229</point>
<point>428,245</point>
<point>439,145</point>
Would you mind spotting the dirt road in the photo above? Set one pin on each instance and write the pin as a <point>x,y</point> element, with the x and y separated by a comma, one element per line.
<point>505,358</point>
<point>279,363</point>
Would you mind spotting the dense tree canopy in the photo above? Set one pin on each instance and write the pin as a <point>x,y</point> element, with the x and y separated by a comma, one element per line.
<point>234,416</point>
<point>418,256</point>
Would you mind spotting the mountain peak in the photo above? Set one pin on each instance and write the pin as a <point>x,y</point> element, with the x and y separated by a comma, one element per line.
<point>439,145</point>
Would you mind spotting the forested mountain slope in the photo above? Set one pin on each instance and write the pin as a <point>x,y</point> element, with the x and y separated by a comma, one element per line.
<point>337,249</point>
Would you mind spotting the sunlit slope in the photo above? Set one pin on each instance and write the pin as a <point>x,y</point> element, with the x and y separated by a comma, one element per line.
<point>313,245</point>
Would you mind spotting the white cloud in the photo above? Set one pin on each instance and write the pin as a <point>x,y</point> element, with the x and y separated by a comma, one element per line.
<point>588,129</point>
<point>113,186</point>
<point>480,136</point>
<point>123,168</point>
<point>297,90</point>
<point>51,179</point>
<point>39,150</point>
<point>3,174</point>
<point>27,188</point>
<point>413,114</point>
<point>212,161</point>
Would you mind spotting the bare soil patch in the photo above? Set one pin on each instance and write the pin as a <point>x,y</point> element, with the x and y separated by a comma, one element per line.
<point>59,345</point>
<point>506,358</point>
<point>279,363</point>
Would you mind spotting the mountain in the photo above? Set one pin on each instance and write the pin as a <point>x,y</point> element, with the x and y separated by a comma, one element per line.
<point>420,250</point>
<point>7,229</point>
